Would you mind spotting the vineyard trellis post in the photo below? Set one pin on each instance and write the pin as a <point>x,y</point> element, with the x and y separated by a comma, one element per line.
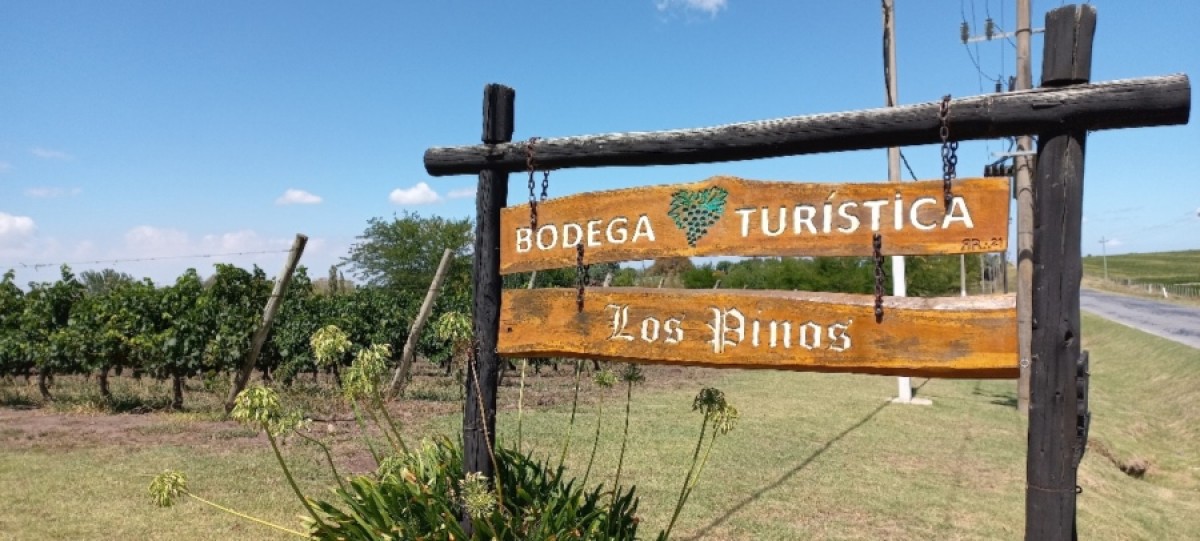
<point>401,375</point>
<point>242,376</point>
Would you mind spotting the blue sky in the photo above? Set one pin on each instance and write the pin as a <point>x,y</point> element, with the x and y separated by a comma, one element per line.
<point>143,129</point>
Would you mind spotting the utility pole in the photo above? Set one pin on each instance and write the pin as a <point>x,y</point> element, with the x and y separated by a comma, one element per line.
<point>1023,171</point>
<point>1024,176</point>
<point>1104,251</point>
<point>899,281</point>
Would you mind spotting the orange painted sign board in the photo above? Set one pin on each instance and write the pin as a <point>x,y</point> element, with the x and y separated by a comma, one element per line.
<point>953,337</point>
<point>738,217</point>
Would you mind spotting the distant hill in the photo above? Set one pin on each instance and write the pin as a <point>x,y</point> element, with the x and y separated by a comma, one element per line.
<point>1161,268</point>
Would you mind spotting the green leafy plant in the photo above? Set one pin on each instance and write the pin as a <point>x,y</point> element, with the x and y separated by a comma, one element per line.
<point>363,382</point>
<point>421,494</point>
<point>259,406</point>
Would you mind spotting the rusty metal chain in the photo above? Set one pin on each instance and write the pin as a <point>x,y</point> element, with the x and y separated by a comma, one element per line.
<point>545,184</point>
<point>581,274</point>
<point>880,275</point>
<point>531,167</point>
<point>473,354</point>
<point>949,152</point>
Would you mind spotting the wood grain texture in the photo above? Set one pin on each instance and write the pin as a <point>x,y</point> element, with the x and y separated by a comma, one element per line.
<point>481,381</point>
<point>1051,469</point>
<point>972,337</point>
<point>742,228</point>
<point>1131,103</point>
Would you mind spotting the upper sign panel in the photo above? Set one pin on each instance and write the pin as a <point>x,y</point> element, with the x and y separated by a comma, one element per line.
<point>733,216</point>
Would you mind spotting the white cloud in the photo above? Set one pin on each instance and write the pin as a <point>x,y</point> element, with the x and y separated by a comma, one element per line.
<point>293,196</point>
<point>245,240</point>
<point>150,241</point>
<point>1113,243</point>
<point>49,154</point>
<point>711,7</point>
<point>49,192</point>
<point>242,247</point>
<point>461,193</point>
<point>421,194</point>
<point>15,229</point>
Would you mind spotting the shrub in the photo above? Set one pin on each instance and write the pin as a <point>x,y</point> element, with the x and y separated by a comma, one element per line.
<point>419,495</point>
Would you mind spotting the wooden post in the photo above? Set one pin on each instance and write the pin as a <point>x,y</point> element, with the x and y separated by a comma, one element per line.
<point>264,329</point>
<point>479,414</point>
<point>1023,171</point>
<point>1057,270</point>
<point>400,377</point>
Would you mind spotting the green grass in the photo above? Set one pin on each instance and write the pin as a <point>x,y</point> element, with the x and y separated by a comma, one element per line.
<point>100,493</point>
<point>815,456</point>
<point>1159,268</point>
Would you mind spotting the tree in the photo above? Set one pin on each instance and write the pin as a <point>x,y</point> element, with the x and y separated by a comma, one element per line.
<point>404,252</point>
<point>44,323</point>
<point>670,266</point>
<point>931,276</point>
<point>103,281</point>
<point>13,353</point>
<point>702,277</point>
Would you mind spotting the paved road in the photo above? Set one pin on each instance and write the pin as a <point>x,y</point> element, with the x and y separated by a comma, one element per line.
<point>1171,321</point>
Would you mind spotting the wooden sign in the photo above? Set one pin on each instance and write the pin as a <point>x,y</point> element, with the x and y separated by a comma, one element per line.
<point>953,337</point>
<point>733,216</point>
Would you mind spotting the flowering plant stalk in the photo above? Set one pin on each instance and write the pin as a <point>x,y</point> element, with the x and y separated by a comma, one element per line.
<point>722,417</point>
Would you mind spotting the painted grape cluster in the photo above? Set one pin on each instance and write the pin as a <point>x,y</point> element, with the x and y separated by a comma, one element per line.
<point>695,211</point>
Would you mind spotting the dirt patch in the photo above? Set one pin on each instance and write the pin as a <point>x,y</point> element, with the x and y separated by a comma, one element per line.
<point>35,426</point>
<point>1135,467</point>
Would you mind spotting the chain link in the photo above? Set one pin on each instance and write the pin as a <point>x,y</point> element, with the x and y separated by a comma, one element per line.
<point>581,275</point>
<point>949,152</point>
<point>545,184</point>
<point>880,275</point>
<point>531,167</point>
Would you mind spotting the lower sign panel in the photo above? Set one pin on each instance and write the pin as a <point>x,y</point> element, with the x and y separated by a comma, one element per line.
<point>952,337</point>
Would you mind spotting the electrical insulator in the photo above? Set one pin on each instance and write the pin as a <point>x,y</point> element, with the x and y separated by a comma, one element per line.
<point>989,28</point>
<point>964,31</point>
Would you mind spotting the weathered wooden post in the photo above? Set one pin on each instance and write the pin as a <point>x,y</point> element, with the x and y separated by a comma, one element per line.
<point>479,416</point>
<point>274,302</point>
<point>1057,269</point>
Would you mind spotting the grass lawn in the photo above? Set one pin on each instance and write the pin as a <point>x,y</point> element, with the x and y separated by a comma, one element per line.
<point>813,456</point>
<point>1161,267</point>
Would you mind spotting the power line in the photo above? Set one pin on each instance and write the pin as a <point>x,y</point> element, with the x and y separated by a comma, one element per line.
<point>972,55</point>
<point>906,166</point>
<point>39,266</point>
<point>1000,30</point>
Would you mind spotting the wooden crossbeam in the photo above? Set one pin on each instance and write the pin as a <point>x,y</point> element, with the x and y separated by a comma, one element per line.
<point>1130,103</point>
